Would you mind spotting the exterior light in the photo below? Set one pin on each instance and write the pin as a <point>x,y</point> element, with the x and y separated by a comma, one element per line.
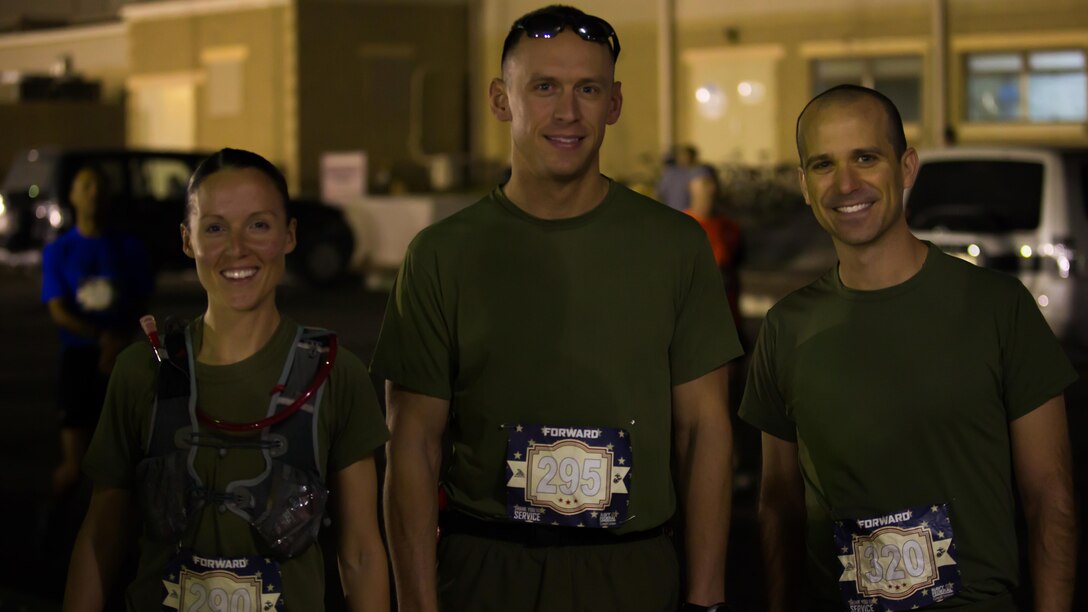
<point>1044,301</point>
<point>1025,251</point>
<point>973,250</point>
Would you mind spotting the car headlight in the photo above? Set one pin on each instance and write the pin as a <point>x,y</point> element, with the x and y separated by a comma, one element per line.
<point>56,216</point>
<point>51,212</point>
<point>3,209</point>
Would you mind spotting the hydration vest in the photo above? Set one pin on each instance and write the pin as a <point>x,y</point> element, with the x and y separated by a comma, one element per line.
<point>285,503</point>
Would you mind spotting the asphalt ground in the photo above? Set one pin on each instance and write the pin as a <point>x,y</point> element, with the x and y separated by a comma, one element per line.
<point>37,533</point>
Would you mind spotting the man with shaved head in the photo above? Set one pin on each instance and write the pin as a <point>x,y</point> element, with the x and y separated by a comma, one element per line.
<point>568,337</point>
<point>898,396</point>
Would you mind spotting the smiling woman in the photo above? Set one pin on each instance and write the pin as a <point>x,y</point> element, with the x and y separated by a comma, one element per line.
<point>241,410</point>
<point>238,232</point>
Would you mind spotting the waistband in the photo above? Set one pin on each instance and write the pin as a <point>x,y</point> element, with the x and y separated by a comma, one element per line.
<point>451,523</point>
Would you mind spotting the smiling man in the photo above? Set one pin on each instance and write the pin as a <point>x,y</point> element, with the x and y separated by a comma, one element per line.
<point>898,395</point>
<point>568,337</point>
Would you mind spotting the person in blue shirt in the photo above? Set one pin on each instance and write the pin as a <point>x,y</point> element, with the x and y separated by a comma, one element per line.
<point>96,283</point>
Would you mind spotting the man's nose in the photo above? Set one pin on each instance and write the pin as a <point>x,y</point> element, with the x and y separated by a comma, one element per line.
<point>846,179</point>
<point>566,107</point>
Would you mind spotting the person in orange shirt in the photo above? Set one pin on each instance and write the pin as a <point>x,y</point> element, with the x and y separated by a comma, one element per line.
<point>723,232</point>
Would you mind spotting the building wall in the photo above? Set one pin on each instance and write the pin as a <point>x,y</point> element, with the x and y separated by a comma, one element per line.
<point>231,58</point>
<point>389,79</point>
<point>795,32</point>
<point>97,52</point>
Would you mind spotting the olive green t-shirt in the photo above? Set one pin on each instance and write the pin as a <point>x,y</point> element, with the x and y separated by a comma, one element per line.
<point>582,322</point>
<point>350,428</point>
<point>902,398</point>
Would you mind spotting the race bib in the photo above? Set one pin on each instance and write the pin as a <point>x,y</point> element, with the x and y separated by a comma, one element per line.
<point>216,584</point>
<point>95,294</point>
<point>899,561</point>
<point>573,476</point>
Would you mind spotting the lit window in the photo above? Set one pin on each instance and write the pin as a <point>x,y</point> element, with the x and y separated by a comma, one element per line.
<point>1047,86</point>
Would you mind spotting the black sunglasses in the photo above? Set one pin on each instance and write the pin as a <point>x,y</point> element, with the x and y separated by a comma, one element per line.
<point>547,25</point>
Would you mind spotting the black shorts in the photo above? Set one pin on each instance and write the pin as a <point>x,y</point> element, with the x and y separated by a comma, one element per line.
<point>82,387</point>
<point>483,574</point>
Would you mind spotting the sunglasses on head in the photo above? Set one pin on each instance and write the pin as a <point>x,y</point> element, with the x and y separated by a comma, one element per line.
<point>547,25</point>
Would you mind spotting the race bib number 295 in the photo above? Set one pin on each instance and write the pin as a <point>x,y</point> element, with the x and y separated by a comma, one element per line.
<point>571,476</point>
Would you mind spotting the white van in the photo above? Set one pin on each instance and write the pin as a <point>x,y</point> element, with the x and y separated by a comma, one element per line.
<point>1023,211</point>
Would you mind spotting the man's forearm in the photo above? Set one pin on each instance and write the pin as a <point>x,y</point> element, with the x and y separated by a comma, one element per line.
<point>1052,536</point>
<point>706,489</point>
<point>411,516</point>
<point>781,536</point>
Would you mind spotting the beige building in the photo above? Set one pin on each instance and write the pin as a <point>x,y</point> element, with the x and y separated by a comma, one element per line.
<point>406,80</point>
<point>731,76</point>
<point>290,79</point>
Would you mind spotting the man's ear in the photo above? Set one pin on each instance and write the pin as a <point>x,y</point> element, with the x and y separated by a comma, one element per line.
<point>801,180</point>
<point>909,166</point>
<point>186,246</point>
<point>615,104</point>
<point>499,100</point>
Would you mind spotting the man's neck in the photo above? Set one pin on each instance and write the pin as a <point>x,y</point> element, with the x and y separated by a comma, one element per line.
<point>230,337</point>
<point>548,199</point>
<point>88,226</point>
<point>886,263</point>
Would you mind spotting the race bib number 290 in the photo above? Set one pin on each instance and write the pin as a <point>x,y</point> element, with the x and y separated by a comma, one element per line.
<point>571,476</point>
<point>904,560</point>
<point>214,584</point>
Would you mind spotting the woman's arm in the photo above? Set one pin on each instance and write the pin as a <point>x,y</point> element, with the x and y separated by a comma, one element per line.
<point>364,570</point>
<point>99,549</point>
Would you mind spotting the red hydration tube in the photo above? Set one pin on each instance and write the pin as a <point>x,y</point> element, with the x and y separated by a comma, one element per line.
<point>147,323</point>
<point>319,379</point>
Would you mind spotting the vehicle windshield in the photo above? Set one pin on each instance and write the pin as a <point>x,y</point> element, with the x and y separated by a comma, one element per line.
<point>984,195</point>
<point>30,169</point>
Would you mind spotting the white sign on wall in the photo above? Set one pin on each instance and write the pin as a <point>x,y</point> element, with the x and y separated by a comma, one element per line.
<point>343,176</point>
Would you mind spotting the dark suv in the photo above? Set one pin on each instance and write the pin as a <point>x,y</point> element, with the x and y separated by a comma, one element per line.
<point>147,193</point>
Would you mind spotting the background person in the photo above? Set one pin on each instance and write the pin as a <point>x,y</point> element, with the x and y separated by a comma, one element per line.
<point>724,233</point>
<point>95,282</point>
<point>898,395</point>
<point>562,313</point>
<point>674,184</point>
<point>200,460</point>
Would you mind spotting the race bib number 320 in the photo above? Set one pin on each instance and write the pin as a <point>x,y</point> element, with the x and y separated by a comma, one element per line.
<point>904,560</point>
<point>573,476</point>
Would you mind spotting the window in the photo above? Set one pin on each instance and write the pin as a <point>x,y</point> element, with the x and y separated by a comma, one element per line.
<point>161,178</point>
<point>225,86</point>
<point>1045,86</point>
<point>898,77</point>
<point>976,196</point>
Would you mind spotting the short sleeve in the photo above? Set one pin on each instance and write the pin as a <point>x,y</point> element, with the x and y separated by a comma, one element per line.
<point>705,335</point>
<point>116,446</point>
<point>358,427</point>
<point>1036,367</point>
<point>415,346</point>
<point>763,405</point>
